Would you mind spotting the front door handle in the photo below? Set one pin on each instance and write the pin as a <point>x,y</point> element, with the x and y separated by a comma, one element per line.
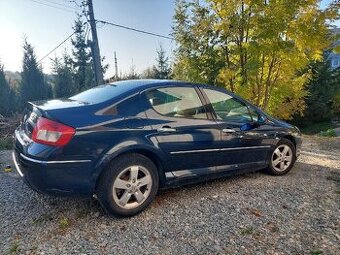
<point>228,130</point>
<point>166,129</point>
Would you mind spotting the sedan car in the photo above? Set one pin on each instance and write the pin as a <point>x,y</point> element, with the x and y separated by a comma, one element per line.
<point>122,142</point>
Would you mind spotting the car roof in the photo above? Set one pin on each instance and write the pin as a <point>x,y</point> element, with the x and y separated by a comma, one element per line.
<point>142,84</point>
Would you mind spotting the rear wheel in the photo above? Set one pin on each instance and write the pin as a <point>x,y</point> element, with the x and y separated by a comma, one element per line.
<point>283,158</point>
<point>128,185</point>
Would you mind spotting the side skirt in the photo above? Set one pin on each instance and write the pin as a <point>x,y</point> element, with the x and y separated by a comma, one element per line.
<point>192,176</point>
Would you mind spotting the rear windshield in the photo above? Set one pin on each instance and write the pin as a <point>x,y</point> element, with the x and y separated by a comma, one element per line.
<point>99,94</point>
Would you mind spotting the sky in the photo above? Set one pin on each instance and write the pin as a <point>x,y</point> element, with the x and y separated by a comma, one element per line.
<point>46,26</point>
<point>46,23</point>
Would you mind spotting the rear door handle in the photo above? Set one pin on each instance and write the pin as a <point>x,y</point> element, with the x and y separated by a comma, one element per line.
<point>166,129</point>
<point>228,130</point>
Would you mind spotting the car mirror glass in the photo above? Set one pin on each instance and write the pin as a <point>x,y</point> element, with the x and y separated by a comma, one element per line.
<point>262,120</point>
<point>246,127</point>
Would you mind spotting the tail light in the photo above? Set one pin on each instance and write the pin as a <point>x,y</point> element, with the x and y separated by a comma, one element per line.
<point>52,133</point>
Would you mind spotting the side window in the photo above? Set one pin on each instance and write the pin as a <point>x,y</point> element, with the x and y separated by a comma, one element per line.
<point>228,108</point>
<point>177,102</point>
<point>127,107</point>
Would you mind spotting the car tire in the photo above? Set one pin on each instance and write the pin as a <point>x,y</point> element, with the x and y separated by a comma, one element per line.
<point>282,158</point>
<point>128,185</point>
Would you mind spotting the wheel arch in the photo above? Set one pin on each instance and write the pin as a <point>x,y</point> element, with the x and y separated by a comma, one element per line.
<point>290,138</point>
<point>151,154</point>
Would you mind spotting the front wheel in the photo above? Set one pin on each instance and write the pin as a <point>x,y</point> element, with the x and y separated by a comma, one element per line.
<point>282,158</point>
<point>128,185</point>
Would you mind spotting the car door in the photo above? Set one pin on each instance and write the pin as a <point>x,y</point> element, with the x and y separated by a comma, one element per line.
<point>181,127</point>
<point>240,148</point>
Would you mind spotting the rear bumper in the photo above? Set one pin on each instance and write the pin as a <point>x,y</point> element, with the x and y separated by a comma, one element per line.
<point>55,177</point>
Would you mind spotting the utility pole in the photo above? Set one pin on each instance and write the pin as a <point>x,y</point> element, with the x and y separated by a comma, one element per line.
<point>116,65</point>
<point>95,47</point>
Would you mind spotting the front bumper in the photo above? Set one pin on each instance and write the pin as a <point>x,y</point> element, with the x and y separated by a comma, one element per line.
<point>55,177</point>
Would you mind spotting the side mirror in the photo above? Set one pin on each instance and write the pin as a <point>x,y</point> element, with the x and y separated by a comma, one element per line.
<point>246,127</point>
<point>262,120</point>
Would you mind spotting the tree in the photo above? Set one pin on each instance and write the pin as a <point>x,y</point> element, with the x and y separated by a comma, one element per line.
<point>258,49</point>
<point>63,76</point>
<point>132,75</point>
<point>336,95</point>
<point>149,73</point>
<point>7,96</point>
<point>162,69</point>
<point>32,86</point>
<point>321,89</point>
<point>82,61</point>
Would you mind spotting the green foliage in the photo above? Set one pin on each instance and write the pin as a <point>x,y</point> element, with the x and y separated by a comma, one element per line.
<point>32,86</point>
<point>131,75</point>
<point>316,252</point>
<point>6,143</point>
<point>336,105</point>
<point>336,96</point>
<point>7,95</point>
<point>321,89</point>
<point>81,61</point>
<point>328,133</point>
<point>323,98</point>
<point>258,49</point>
<point>162,69</point>
<point>63,77</point>
<point>14,249</point>
<point>64,223</point>
<point>316,128</point>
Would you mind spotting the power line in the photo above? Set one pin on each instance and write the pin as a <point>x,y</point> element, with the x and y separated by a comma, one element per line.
<point>56,7</point>
<point>135,29</point>
<point>56,47</point>
<point>55,3</point>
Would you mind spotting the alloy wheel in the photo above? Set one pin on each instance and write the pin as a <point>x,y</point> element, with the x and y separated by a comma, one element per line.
<point>282,158</point>
<point>132,187</point>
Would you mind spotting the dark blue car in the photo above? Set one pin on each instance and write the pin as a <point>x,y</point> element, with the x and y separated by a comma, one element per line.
<point>123,141</point>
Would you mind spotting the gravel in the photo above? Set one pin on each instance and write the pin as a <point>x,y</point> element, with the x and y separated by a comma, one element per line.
<point>249,214</point>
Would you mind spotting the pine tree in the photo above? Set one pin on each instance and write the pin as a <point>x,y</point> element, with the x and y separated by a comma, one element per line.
<point>321,90</point>
<point>82,64</point>
<point>7,99</point>
<point>63,77</point>
<point>149,73</point>
<point>132,74</point>
<point>162,70</point>
<point>32,86</point>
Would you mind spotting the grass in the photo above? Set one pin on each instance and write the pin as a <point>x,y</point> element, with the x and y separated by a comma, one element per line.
<point>6,143</point>
<point>328,133</point>
<point>43,218</point>
<point>14,248</point>
<point>83,213</point>
<point>247,231</point>
<point>317,128</point>
<point>334,176</point>
<point>64,223</point>
<point>316,252</point>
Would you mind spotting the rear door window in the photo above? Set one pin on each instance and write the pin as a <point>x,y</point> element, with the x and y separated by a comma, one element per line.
<point>182,102</point>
